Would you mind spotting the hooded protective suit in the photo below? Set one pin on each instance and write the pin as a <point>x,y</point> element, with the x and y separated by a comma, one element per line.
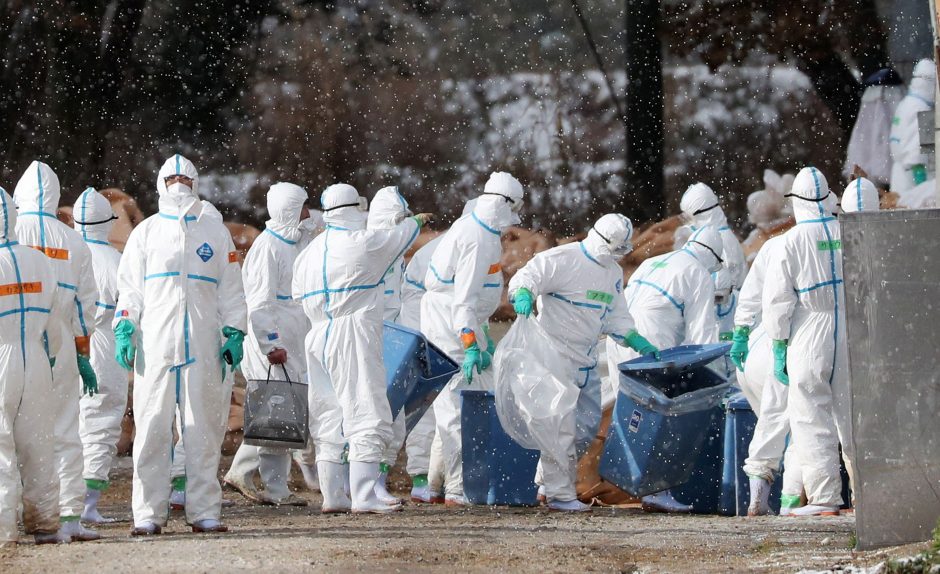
<point>37,198</point>
<point>860,195</point>
<point>275,319</point>
<point>907,169</point>
<point>804,305</point>
<point>672,297</point>
<point>388,209</point>
<point>869,144</point>
<point>28,293</point>
<point>700,204</point>
<point>101,414</point>
<point>464,284</point>
<point>179,285</point>
<point>338,279</point>
<point>579,290</point>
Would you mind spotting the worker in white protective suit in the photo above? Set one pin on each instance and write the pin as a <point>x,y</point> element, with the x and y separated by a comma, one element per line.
<point>338,279</point>
<point>464,284</point>
<point>579,289</point>
<point>700,207</point>
<point>672,299</point>
<point>423,447</point>
<point>277,324</point>
<point>29,301</point>
<point>860,195</point>
<point>180,324</point>
<point>37,198</point>
<point>909,165</point>
<point>101,413</point>
<point>765,211</point>
<point>804,315</point>
<point>869,145</point>
<point>387,210</point>
<point>245,464</point>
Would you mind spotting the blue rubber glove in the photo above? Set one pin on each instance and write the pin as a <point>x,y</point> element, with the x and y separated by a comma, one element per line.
<point>124,349</point>
<point>780,361</point>
<point>472,358</point>
<point>638,343</point>
<point>232,350</point>
<point>522,301</point>
<point>89,379</point>
<point>739,341</point>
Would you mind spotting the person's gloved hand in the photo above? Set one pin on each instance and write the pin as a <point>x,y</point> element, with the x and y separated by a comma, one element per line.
<point>919,172</point>
<point>124,349</point>
<point>277,356</point>
<point>638,343</point>
<point>472,358</point>
<point>423,219</point>
<point>89,379</point>
<point>232,351</point>
<point>780,361</point>
<point>490,343</point>
<point>522,302</point>
<point>739,341</point>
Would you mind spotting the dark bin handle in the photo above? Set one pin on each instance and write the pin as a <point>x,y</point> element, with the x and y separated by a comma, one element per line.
<point>286,376</point>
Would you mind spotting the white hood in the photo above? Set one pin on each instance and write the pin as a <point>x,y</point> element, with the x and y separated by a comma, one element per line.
<point>7,217</point>
<point>924,81</point>
<point>706,244</point>
<point>610,233</point>
<point>860,195</point>
<point>285,203</point>
<point>388,209</point>
<point>700,205</point>
<point>810,195</point>
<point>504,186</point>
<point>37,190</point>
<point>177,203</point>
<point>93,216</point>
<point>342,207</point>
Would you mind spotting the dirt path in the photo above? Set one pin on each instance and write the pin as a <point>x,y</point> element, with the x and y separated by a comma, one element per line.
<point>425,538</point>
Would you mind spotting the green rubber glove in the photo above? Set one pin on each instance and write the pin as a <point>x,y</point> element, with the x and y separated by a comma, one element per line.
<point>522,302</point>
<point>124,349</point>
<point>472,358</point>
<point>232,350</point>
<point>780,361</point>
<point>490,343</point>
<point>919,172</point>
<point>638,343</point>
<point>89,379</point>
<point>738,351</point>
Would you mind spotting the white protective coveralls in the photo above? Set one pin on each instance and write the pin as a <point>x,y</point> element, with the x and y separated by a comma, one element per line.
<point>905,137</point>
<point>388,209</point>
<point>101,414</point>
<point>338,278</point>
<point>804,304</point>
<point>37,198</point>
<point>28,295</point>
<point>700,205</point>
<point>179,284</point>
<point>464,285</point>
<point>275,319</point>
<point>579,290</point>
<point>869,146</point>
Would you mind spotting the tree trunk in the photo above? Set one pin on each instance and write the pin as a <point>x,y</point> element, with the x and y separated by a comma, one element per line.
<point>643,198</point>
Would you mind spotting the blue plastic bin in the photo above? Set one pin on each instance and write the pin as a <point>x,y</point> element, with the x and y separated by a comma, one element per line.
<point>416,371</point>
<point>653,444</point>
<point>496,469</point>
<point>704,488</point>
<point>735,490</point>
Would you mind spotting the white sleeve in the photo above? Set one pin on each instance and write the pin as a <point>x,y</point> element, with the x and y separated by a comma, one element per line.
<point>701,325</point>
<point>130,280</point>
<point>386,246</point>
<point>231,291</point>
<point>471,267</point>
<point>261,275</point>
<point>536,275</point>
<point>86,293</point>
<point>780,299</point>
<point>748,311</point>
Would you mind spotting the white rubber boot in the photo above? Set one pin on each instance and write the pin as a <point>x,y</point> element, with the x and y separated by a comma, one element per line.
<point>420,490</point>
<point>664,502</point>
<point>310,476</point>
<point>815,510</point>
<point>333,477</point>
<point>75,532</point>
<point>381,489</point>
<point>90,514</point>
<point>760,495</point>
<point>568,506</point>
<point>362,479</point>
<point>274,470</point>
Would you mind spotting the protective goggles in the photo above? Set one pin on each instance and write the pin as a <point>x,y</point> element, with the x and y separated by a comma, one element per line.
<point>718,257</point>
<point>704,209</point>
<point>814,199</point>
<point>112,218</point>
<point>362,204</point>
<point>516,204</point>
<point>623,249</point>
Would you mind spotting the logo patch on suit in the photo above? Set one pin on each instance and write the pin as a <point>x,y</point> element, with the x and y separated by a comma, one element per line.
<point>205,252</point>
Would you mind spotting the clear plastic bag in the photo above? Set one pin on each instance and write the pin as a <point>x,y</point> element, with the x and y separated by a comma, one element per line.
<point>535,389</point>
<point>276,412</point>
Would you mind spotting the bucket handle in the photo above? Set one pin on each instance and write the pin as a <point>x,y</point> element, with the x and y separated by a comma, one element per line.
<point>286,376</point>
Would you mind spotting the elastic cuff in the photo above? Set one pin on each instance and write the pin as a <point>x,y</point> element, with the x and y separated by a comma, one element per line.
<point>419,480</point>
<point>179,483</point>
<point>69,518</point>
<point>789,500</point>
<point>95,484</point>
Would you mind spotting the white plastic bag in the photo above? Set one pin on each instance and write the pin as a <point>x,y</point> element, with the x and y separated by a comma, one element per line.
<point>535,389</point>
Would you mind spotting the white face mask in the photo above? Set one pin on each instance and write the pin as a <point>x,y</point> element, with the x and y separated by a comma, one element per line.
<point>308,226</point>
<point>179,191</point>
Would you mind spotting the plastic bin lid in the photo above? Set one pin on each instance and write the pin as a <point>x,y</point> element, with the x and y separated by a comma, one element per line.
<point>737,402</point>
<point>675,360</point>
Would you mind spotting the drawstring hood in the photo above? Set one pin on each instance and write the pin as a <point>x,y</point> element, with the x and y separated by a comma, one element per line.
<point>93,216</point>
<point>285,203</point>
